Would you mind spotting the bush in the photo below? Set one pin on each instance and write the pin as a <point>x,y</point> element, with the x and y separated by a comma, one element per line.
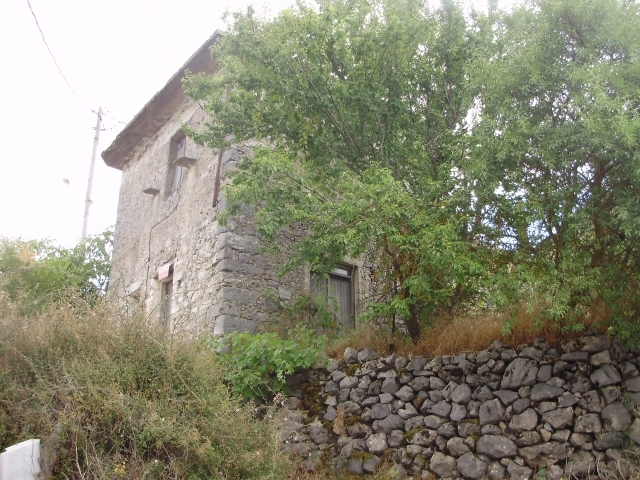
<point>112,397</point>
<point>256,365</point>
<point>36,273</point>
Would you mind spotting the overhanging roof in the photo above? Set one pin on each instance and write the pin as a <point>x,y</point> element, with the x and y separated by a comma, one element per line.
<point>159,109</point>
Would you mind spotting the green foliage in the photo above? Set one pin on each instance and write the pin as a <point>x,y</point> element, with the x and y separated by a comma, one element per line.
<point>307,311</point>
<point>481,159</point>
<point>112,397</point>
<point>36,273</point>
<point>556,157</point>
<point>257,364</point>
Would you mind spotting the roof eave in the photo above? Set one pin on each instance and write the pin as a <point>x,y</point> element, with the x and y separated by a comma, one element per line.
<point>159,109</point>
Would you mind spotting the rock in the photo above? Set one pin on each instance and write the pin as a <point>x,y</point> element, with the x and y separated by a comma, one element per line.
<point>319,434</point>
<point>457,447</point>
<point>358,430</point>
<point>491,412</point>
<point>589,423</point>
<point>416,363</point>
<point>491,430</point>
<point>386,397</point>
<point>518,472</point>
<point>607,375</point>
<point>355,466</point>
<point>350,355</point>
<point>595,344</point>
<point>521,405</point>
<point>561,436</point>
<point>591,401</point>
<point>380,411</point>
<point>520,372</point>
<point>544,373</point>
<point>560,367</point>
<point>506,396</point>
<point>397,472</point>
<point>405,393</point>
<point>314,462</point>
<point>369,464</point>
<point>390,385</point>
<point>575,356</point>
<point>567,399</point>
<point>458,412</point>
<point>442,465</point>
<point>543,391</point>
<point>526,439</point>
<point>423,438</point>
<point>395,439</point>
<point>579,439</point>
<point>462,394</point>
<point>471,466</point>
<point>409,411</point>
<point>611,394</point>
<point>366,354</point>
<point>496,471</point>
<point>436,383</point>
<point>580,465</point>
<point>560,418</point>
<point>539,453</point>
<point>377,443</point>
<point>496,446</point>
<point>633,384</point>
<point>616,417</point>
<point>600,358</point>
<point>607,440</point>
<point>469,429</point>
<point>532,353</point>
<point>434,421</point>
<point>442,408</point>
<point>447,430</point>
<point>526,421</point>
<point>581,384</point>
<point>349,382</point>
<point>634,431</point>
<point>392,422</point>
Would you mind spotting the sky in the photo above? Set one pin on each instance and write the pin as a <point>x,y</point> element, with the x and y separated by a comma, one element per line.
<point>115,54</point>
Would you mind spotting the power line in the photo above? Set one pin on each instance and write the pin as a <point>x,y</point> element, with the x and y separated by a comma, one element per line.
<point>54,60</point>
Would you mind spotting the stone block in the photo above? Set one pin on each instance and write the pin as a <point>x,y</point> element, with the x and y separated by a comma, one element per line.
<point>227,323</point>
<point>237,295</point>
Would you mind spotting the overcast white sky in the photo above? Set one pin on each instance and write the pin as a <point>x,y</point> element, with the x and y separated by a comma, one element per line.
<point>116,54</point>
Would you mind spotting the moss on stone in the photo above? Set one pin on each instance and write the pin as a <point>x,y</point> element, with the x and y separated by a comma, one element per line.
<point>351,371</point>
<point>360,455</point>
<point>411,433</point>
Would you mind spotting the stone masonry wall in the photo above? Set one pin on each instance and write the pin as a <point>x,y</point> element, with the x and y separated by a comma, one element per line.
<point>499,413</point>
<point>221,279</point>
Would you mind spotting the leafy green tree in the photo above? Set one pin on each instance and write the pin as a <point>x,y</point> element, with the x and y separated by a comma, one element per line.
<point>479,159</point>
<point>363,103</point>
<point>557,157</point>
<point>36,273</point>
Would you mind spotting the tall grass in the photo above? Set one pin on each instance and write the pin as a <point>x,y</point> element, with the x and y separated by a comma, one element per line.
<point>114,397</point>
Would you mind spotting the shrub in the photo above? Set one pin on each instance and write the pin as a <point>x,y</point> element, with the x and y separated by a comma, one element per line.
<point>113,397</point>
<point>256,365</point>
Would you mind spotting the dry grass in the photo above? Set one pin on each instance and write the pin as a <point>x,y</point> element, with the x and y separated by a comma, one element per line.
<point>116,397</point>
<point>449,335</point>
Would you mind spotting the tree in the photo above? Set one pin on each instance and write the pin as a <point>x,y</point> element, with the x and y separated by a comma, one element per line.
<point>480,159</point>
<point>558,149</point>
<point>363,103</point>
<point>36,273</point>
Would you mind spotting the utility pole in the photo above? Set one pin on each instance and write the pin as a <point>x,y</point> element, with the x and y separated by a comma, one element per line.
<point>87,200</point>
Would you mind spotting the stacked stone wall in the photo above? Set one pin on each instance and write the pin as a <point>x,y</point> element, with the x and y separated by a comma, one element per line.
<point>537,410</point>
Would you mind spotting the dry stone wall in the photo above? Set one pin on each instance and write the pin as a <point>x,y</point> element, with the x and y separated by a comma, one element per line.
<point>499,413</point>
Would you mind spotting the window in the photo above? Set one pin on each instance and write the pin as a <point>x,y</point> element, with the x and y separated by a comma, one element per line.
<point>176,172</point>
<point>338,290</point>
<point>166,300</point>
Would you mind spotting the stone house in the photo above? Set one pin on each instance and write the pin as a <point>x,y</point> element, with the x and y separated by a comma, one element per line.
<point>171,256</point>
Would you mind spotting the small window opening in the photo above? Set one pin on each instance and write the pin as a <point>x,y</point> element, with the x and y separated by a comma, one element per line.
<point>176,172</point>
<point>166,301</point>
